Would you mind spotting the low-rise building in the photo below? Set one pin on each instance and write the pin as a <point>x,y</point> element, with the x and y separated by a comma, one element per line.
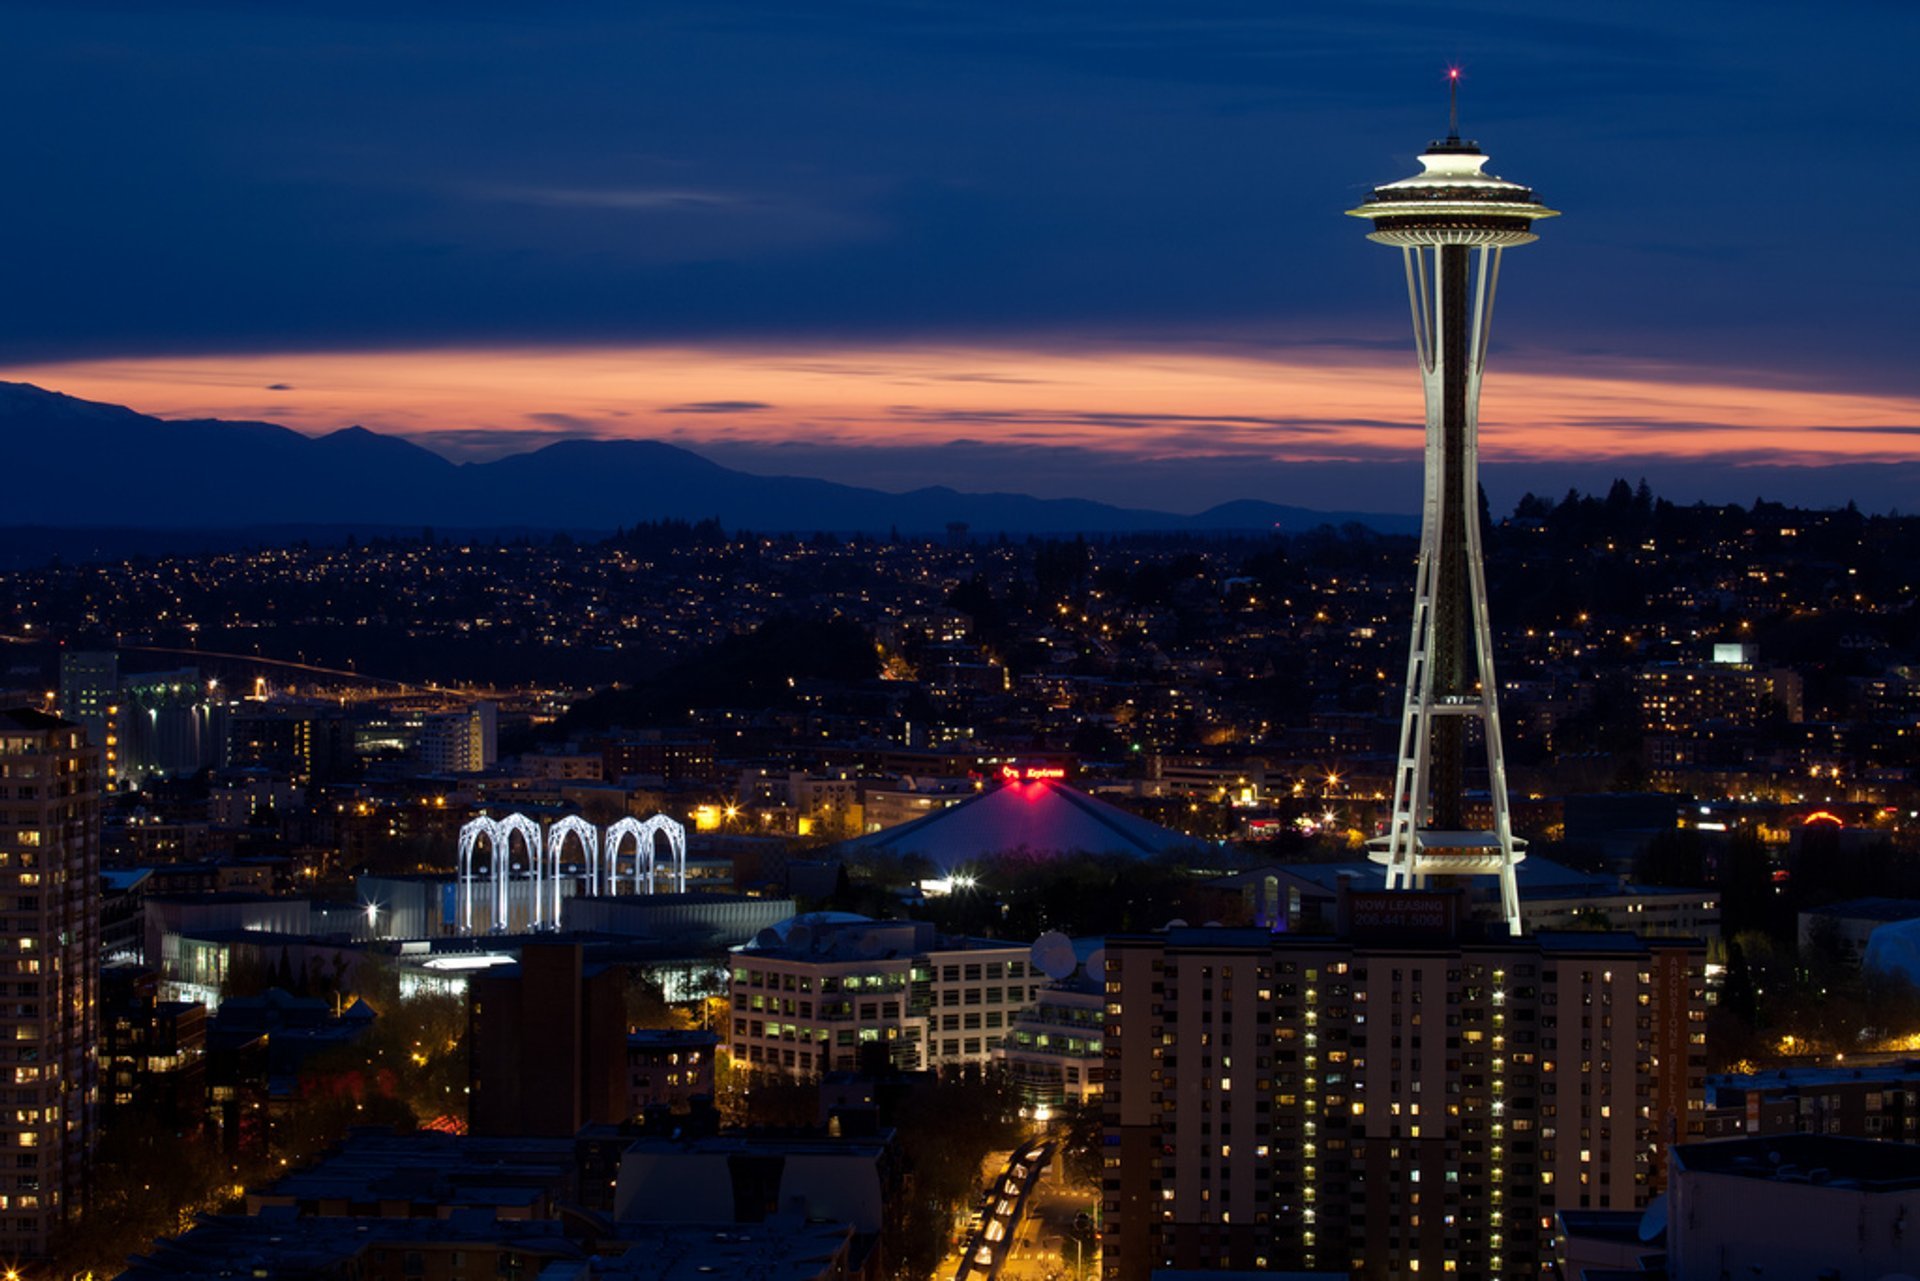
<point>441,1207</point>
<point>1850,925</point>
<point>1055,1050</point>
<point>910,798</point>
<point>461,1245</point>
<point>376,1175</point>
<point>546,1043</point>
<point>1877,1101</point>
<point>1792,1205</point>
<point>744,1178</point>
<point>669,1068</point>
<point>807,999</point>
<point>152,1055</point>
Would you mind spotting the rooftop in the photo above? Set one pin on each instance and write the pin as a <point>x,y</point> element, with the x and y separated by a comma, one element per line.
<point>1038,817</point>
<point>1538,879</point>
<point>767,1142</point>
<point>1603,1225</point>
<point>666,1037</point>
<point>1875,908</point>
<point>220,1247</point>
<point>1866,1165</point>
<point>430,1167</point>
<point>1811,1078</point>
<point>783,1248</point>
<point>1243,938</point>
<point>34,722</point>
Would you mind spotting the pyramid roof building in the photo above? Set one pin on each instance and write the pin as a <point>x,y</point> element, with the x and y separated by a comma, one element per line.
<point>1039,817</point>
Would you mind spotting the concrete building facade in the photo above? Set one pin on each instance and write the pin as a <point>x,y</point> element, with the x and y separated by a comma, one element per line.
<point>1395,1100</point>
<point>807,1003</point>
<point>546,1044</point>
<point>1793,1206</point>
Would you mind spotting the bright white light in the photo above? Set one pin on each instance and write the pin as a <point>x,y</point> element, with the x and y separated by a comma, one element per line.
<point>467,961</point>
<point>544,861</point>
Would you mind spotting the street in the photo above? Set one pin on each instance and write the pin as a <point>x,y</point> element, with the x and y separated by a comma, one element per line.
<point>1002,1218</point>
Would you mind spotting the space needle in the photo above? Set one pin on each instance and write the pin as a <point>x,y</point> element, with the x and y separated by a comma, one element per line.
<point>1451,223</point>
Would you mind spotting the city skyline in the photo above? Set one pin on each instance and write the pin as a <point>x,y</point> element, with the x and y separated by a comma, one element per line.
<point>734,639</point>
<point>892,249</point>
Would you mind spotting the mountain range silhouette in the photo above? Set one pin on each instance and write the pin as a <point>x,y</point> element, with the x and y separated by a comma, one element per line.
<point>84,464</point>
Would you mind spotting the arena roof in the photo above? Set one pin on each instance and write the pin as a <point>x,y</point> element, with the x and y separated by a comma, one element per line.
<point>1037,817</point>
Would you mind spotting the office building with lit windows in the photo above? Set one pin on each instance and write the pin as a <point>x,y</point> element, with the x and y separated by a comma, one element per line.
<point>805,1002</point>
<point>1054,1052</point>
<point>1676,698</point>
<point>148,723</point>
<point>90,697</point>
<point>49,950</point>
<point>1406,1097</point>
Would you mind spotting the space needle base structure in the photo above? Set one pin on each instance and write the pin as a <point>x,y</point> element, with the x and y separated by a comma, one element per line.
<point>1451,223</point>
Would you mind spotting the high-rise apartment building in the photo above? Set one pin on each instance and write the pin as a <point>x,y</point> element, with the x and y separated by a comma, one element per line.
<point>1404,1098</point>
<point>49,955</point>
<point>308,742</point>
<point>460,740</point>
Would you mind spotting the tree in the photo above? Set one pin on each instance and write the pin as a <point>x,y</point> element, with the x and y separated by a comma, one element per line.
<point>1675,858</point>
<point>647,1005</point>
<point>247,974</point>
<point>748,1096</point>
<point>147,1181</point>
<point>1079,1125</point>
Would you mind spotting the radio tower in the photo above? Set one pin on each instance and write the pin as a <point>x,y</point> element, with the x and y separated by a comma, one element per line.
<point>1451,223</point>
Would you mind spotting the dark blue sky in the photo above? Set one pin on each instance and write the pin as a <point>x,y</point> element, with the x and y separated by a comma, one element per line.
<point>214,178</point>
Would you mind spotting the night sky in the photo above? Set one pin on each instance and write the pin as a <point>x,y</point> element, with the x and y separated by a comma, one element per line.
<point>1060,247</point>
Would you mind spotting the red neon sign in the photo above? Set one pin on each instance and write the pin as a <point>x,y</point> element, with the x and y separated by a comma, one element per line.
<point>1014,774</point>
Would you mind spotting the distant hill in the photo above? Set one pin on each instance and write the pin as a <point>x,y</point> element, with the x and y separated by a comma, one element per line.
<point>78,463</point>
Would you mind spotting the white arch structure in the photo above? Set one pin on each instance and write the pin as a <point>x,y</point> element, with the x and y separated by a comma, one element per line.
<point>544,866</point>
<point>644,851</point>
<point>471,834</point>
<point>589,837</point>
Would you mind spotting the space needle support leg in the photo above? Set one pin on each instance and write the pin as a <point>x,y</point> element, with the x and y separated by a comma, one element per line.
<point>1487,285</point>
<point>1416,299</point>
<point>1409,786</point>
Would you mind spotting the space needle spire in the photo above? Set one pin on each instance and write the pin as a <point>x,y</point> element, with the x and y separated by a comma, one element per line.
<point>1451,223</point>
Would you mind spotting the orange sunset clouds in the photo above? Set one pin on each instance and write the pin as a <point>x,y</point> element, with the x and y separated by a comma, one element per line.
<point>1299,404</point>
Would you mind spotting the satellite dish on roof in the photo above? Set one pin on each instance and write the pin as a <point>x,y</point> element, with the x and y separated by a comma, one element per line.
<point>1654,1221</point>
<point>766,938</point>
<point>800,936</point>
<point>1053,956</point>
<point>1096,963</point>
<point>1175,924</point>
